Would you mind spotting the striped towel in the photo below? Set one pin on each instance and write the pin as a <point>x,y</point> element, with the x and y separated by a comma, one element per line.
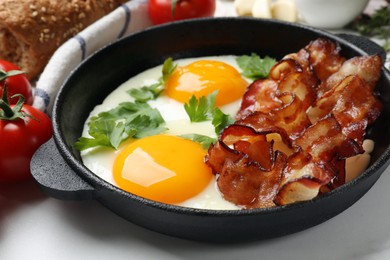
<point>126,19</point>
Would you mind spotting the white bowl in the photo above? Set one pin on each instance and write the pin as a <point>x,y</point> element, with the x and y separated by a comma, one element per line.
<point>330,14</point>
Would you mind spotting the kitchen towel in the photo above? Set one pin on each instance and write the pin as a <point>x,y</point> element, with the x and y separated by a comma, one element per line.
<point>126,19</point>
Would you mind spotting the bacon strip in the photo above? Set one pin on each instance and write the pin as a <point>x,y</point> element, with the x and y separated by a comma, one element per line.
<point>367,68</point>
<point>324,140</point>
<point>283,68</point>
<point>302,85</point>
<point>302,179</point>
<point>353,105</point>
<point>291,118</point>
<point>249,170</point>
<point>315,164</point>
<point>325,57</point>
<point>264,90</point>
<point>248,185</point>
<point>319,105</point>
<point>230,146</point>
<point>293,75</point>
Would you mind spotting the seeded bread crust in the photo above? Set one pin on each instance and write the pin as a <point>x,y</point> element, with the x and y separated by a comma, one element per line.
<point>31,30</point>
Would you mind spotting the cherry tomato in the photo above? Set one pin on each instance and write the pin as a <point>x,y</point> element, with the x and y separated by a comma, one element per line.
<point>20,137</point>
<point>18,84</point>
<point>160,11</point>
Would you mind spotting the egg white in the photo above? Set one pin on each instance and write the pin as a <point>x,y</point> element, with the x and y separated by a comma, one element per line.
<point>100,160</point>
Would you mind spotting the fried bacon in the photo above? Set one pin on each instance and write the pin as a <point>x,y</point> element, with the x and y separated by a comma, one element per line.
<point>367,68</point>
<point>302,179</point>
<point>290,118</point>
<point>250,172</point>
<point>292,75</point>
<point>264,90</point>
<point>324,140</point>
<point>352,104</point>
<point>325,57</point>
<point>283,68</point>
<point>247,184</point>
<point>319,105</point>
<point>303,85</point>
<point>318,164</point>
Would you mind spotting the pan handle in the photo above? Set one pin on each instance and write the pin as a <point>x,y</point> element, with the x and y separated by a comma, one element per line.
<point>365,44</point>
<point>55,177</point>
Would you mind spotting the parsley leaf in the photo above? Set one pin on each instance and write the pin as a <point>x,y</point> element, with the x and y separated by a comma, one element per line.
<point>202,109</point>
<point>198,110</point>
<point>221,120</point>
<point>102,134</point>
<point>167,70</point>
<point>128,119</point>
<point>254,67</point>
<point>152,91</point>
<point>204,140</point>
<point>146,126</point>
<point>146,93</point>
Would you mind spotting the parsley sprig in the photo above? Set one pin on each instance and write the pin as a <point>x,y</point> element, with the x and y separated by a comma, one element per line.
<point>203,109</point>
<point>204,140</point>
<point>152,91</point>
<point>254,67</point>
<point>200,109</point>
<point>376,25</point>
<point>128,119</point>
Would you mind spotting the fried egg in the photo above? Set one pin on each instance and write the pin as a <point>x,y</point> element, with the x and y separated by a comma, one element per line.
<point>165,167</point>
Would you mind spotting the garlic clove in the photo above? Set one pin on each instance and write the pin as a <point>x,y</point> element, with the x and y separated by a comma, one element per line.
<point>284,10</point>
<point>262,9</point>
<point>244,7</point>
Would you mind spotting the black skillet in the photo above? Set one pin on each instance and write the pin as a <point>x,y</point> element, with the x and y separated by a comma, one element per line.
<point>57,165</point>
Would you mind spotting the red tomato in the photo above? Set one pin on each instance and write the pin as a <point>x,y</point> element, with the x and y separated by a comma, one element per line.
<point>160,11</point>
<point>18,84</point>
<point>19,140</point>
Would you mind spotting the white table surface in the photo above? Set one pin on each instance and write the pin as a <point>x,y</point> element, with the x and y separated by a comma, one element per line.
<point>34,226</point>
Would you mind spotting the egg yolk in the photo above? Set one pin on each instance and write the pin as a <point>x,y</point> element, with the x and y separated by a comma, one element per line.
<point>202,78</point>
<point>163,168</point>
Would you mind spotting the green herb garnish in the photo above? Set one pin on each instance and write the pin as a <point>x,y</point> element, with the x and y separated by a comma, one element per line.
<point>200,110</point>
<point>128,119</point>
<point>146,93</point>
<point>203,109</point>
<point>254,67</point>
<point>151,92</point>
<point>204,140</point>
<point>376,25</point>
<point>221,120</point>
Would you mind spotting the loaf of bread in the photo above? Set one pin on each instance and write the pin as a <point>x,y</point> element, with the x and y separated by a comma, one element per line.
<point>31,30</point>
